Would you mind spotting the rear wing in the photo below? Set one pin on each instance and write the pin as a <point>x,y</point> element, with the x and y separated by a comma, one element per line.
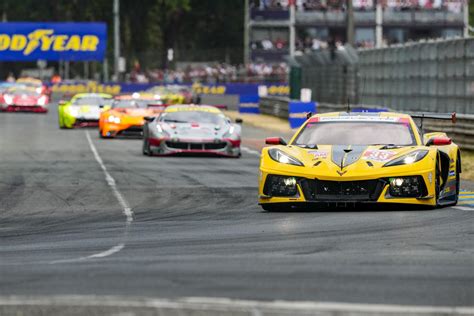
<point>433,116</point>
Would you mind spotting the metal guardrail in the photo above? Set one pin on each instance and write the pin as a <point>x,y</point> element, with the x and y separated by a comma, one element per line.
<point>462,132</point>
<point>274,106</point>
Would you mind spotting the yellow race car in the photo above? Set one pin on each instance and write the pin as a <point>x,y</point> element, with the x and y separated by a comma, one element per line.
<point>349,158</point>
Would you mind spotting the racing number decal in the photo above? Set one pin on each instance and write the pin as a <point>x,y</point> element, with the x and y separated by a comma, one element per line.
<point>379,155</point>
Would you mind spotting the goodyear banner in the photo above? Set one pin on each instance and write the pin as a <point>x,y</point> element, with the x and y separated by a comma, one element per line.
<point>52,41</point>
<point>248,90</point>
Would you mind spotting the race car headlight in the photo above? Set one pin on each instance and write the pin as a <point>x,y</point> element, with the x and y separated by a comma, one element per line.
<point>280,186</point>
<point>412,186</point>
<point>407,159</point>
<point>281,157</point>
<point>42,100</point>
<point>230,131</point>
<point>74,111</point>
<point>8,99</point>
<point>114,119</point>
<point>159,131</point>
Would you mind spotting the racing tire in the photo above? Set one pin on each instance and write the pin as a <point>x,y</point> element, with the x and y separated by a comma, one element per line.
<point>146,147</point>
<point>458,182</point>
<point>61,126</point>
<point>437,183</point>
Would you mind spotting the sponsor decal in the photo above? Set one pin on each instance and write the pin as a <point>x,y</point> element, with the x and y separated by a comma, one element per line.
<point>358,118</point>
<point>318,154</point>
<point>52,41</point>
<point>193,109</point>
<point>379,155</point>
<point>298,115</point>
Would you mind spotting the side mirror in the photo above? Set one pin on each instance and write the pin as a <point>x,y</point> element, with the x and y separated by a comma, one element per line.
<point>239,120</point>
<point>275,141</point>
<point>439,141</point>
<point>61,102</point>
<point>149,118</point>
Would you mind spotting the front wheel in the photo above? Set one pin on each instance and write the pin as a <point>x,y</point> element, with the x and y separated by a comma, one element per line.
<point>146,147</point>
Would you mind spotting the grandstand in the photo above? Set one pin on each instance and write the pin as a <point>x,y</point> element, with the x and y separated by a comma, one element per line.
<point>319,23</point>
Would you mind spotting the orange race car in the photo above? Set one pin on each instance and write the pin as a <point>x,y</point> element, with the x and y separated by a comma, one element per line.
<point>126,116</point>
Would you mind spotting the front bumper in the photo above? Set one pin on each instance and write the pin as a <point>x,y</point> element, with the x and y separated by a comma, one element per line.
<point>128,130</point>
<point>70,121</point>
<point>369,189</point>
<point>24,108</point>
<point>167,147</point>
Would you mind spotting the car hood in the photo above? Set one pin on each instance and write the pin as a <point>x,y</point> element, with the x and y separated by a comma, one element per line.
<point>195,130</point>
<point>18,97</point>
<point>134,112</point>
<point>347,160</point>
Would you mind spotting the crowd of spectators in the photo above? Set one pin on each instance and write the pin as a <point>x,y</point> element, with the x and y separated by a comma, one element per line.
<point>267,44</point>
<point>340,5</point>
<point>213,73</point>
<point>304,45</point>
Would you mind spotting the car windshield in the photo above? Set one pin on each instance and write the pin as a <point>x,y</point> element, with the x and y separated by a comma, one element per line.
<point>356,133</point>
<point>92,101</point>
<point>193,116</point>
<point>131,103</point>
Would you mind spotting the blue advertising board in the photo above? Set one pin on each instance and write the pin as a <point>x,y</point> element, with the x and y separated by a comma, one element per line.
<point>28,41</point>
<point>297,111</point>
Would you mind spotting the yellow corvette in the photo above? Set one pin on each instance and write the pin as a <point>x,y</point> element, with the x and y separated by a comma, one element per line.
<point>348,158</point>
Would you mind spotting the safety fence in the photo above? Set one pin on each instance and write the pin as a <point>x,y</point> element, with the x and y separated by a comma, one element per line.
<point>435,76</point>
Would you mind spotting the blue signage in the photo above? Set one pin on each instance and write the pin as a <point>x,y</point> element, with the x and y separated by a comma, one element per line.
<point>27,41</point>
<point>298,110</point>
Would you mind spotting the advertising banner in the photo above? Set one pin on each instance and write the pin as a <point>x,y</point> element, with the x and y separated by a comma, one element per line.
<point>27,41</point>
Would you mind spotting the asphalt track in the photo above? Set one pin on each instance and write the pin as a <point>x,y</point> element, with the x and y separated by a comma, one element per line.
<point>193,228</point>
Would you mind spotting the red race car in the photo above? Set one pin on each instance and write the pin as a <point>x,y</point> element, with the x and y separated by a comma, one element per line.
<point>22,99</point>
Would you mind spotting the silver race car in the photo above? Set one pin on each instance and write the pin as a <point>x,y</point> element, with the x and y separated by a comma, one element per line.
<point>191,129</point>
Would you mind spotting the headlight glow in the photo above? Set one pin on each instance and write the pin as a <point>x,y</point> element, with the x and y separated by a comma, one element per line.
<point>8,99</point>
<point>281,157</point>
<point>42,100</point>
<point>407,159</point>
<point>73,110</point>
<point>114,119</point>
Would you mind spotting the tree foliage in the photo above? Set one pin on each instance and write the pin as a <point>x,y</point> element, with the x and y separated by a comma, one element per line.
<point>149,28</point>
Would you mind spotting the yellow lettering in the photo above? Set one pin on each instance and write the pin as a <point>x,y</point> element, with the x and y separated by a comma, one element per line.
<point>46,42</point>
<point>4,42</point>
<point>34,40</point>
<point>89,43</point>
<point>59,41</point>
<point>18,42</point>
<point>74,43</point>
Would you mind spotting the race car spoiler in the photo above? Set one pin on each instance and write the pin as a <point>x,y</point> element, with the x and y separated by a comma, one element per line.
<point>433,116</point>
<point>436,116</point>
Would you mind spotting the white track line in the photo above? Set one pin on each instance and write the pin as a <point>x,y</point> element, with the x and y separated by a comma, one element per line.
<point>250,151</point>
<point>127,210</point>
<point>226,306</point>
<point>463,208</point>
